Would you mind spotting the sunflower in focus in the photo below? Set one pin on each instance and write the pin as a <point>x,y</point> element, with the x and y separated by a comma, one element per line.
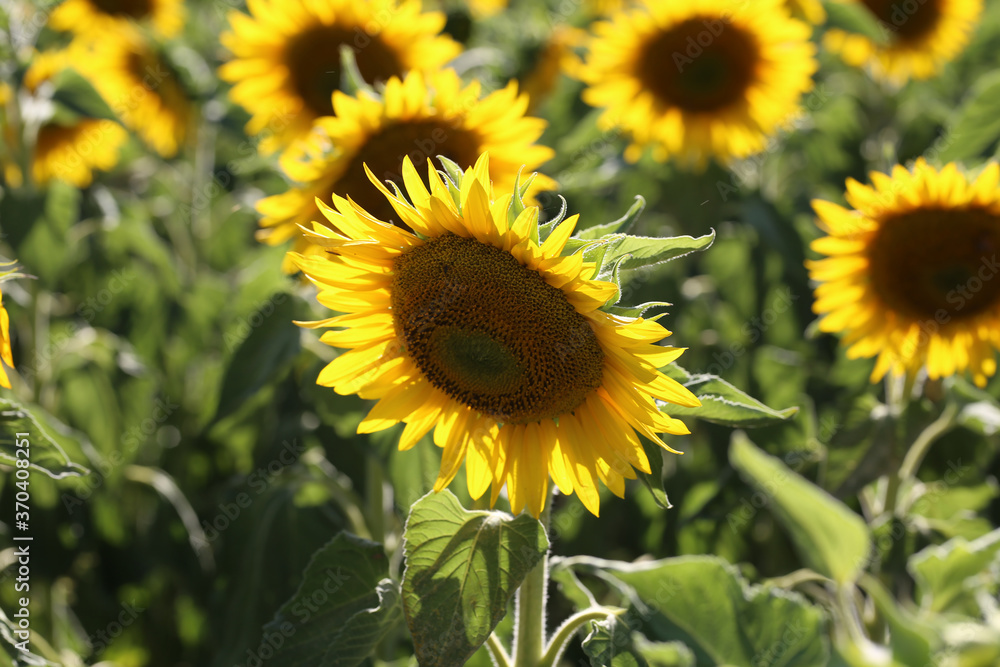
<point>701,78</point>
<point>166,17</point>
<point>72,152</point>
<point>919,37</point>
<point>139,84</point>
<point>419,116</point>
<point>911,273</point>
<point>287,56</point>
<point>470,327</point>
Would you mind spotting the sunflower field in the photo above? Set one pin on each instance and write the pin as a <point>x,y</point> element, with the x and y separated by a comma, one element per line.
<point>512,333</point>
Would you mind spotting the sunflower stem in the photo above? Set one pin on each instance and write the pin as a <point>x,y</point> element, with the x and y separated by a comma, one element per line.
<point>915,455</point>
<point>529,629</point>
<point>568,629</point>
<point>497,651</point>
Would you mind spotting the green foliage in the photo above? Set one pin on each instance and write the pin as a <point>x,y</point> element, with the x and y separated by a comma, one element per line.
<point>462,569</point>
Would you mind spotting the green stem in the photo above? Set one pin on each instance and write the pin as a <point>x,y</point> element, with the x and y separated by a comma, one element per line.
<point>569,628</point>
<point>915,456</point>
<point>497,652</point>
<point>375,496</point>
<point>529,631</point>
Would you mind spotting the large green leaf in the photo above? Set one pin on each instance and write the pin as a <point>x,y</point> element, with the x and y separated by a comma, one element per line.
<point>721,402</point>
<point>976,125</point>
<point>462,568</point>
<point>610,643</point>
<point>267,341</point>
<point>947,574</point>
<point>343,608</point>
<point>831,538</point>
<point>19,424</point>
<point>703,602</point>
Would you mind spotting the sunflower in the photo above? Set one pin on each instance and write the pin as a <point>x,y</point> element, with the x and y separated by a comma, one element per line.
<point>139,85</point>
<point>419,116</point>
<point>920,37</point>
<point>166,17</point>
<point>911,273</point>
<point>472,328</point>
<point>557,57</point>
<point>287,56</point>
<point>700,78</point>
<point>72,152</point>
<point>5,352</point>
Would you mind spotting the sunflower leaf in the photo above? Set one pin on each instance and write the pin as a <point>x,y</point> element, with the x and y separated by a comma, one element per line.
<point>948,575</point>
<point>74,97</point>
<point>637,311</point>
<point>831,539</point>
<point>638,251</point>
<point>462,569</point>
<point>39,438</point>
<point>704,602</point>
<point>612,643</point>
<point>857,19</point>
<point>343,608</point>
<point>721,402</point>
<point>975,126</point>
<point>620,225</point>
<point>909,636</point>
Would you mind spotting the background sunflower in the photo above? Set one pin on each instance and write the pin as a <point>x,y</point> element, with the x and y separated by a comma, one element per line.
<point>287,56</point>
<point>709,78</point>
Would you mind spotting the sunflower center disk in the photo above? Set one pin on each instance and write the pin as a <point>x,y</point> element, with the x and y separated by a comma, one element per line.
<point>938,264</point>
<point>491,333</point>
<point>907,20</point>
<point>135,9</point>
<point>700,65</point>
<point>313,61</point>
<point>384,151</point>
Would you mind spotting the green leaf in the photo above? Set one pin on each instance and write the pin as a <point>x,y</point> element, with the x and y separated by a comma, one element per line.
<point>609,644</point>
<point>45,453</point>
<point>976,125</point>
<point>909,638</point>
<point>945,574</point>
<point>637,311</point>
<point>74,94</point>
<point>343,608</point>
<point>638,251</point>
<point>703,602</point>
<point>721,402</point>
<point>831,539</point>
<point>654,480</point>
<point>270,341</point>
<point>857,19</point>
<point>622,224</point>
<point>663,654</point>
<point>572,588</point>
<point>462,568</point>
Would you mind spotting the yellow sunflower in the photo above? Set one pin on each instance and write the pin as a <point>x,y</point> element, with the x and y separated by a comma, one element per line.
<point>809,10</point>
<point>287,56</point>
<point>472,328</point>
<point>920,37</point>
<point>138,84</point>
<point>72,152</point>
<point>557,57</point>
<point>419,116</point>
<point>700,78</point>
<point>911,273</point>
<point>5,352</point>
<point>166,17</point>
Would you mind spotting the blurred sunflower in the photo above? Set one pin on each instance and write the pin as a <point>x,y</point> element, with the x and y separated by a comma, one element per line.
<point>72,152</point>
<point>5,352</point>
<point>287,56</point>
<point>421,116</point>
<point>139,84</point>
<point>808,10</point>
<point>471,328</point>
<point>920,37</point>
<point>486,8</point>
<point>911,274</point>
<point>166,17</point>
<point>701,78</point>
<point>557,57</point>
